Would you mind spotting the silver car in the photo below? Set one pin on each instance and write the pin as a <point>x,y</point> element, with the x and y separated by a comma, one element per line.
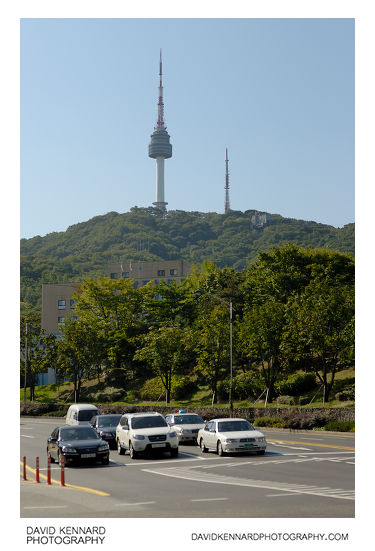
<point>231,435</point>
<point>186,425</point>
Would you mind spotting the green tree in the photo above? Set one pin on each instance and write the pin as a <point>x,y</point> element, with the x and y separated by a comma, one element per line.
<point>319,331</point>
<point>113,309</point>
<point>38,350</point>
<point>166,350</point>
<point>260,337</point>
<point>213,347</point>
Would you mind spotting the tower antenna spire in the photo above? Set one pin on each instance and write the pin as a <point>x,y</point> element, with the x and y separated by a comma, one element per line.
<point>160,147</point>
<point>227,204</point>
<point>160,122</point>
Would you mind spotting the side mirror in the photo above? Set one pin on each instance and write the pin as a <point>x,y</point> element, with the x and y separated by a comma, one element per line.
<point>125,427</point>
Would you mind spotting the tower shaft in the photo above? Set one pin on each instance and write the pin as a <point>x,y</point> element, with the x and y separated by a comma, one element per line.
<point>160,147</point>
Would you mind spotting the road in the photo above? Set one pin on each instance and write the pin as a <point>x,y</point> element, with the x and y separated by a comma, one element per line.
<point>302,475</point>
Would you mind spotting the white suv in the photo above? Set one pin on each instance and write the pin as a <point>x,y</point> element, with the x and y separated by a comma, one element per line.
<point>145,432</point>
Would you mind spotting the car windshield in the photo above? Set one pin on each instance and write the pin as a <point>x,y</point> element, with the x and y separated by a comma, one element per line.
<point>109,421</point>
<point>188,420</point>
<point>233,426</point>
<point>148,422</point>
<point>86,414</point>
<point>84,433</point>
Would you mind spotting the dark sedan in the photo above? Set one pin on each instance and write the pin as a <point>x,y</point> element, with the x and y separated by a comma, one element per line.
<point>77,443</point>
<point>105,426</point>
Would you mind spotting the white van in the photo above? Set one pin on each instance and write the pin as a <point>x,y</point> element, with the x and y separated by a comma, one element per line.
<point>81,414</point>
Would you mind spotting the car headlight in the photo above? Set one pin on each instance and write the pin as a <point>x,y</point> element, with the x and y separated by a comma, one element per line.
<point>261,439</point>
<point>230,440</point>
<point>107,434</point>
<point>138,436</point>
<point>172,434</point>
<point>103,447</point>
<point>68,449</point>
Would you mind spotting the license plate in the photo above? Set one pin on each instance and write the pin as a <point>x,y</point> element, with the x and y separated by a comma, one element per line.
<point>158,445</point>
<point>248,445</point>
<point>88,455</point>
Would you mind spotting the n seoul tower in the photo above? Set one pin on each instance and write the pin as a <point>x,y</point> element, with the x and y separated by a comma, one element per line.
<point>160,148</point>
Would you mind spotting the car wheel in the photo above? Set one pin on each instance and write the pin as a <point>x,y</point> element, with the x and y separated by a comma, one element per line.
<point>220,450</point>
<point>174,452</point>
<point>261,452</point>
<point>133,454</point>
<point>120,449</point>
<point>203,447</point>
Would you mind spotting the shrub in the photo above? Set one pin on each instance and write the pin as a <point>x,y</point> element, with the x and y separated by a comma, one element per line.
<point>244,386</point>
<point>109,394</point>
<point>181,388</point>
<point>346,394</point>
<point>341,426</point>
<point>296,384</point>
<point>269,422</point>
<point>295,419</point>
<point>152,389</point>
<point>285,400</point>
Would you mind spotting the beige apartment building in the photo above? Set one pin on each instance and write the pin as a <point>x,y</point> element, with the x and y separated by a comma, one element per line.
<point>57,298</point>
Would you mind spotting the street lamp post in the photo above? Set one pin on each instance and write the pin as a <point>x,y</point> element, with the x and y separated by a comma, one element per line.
<point>24,384</point>
<point>231,357</point>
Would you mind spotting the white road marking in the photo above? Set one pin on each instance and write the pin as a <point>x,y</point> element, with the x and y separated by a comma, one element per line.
<point>194,475</point>
<point>279,444</point>
<point>211,499</point>
<point>27,436</point>
<point>135,503</point>
<point>48,507</point>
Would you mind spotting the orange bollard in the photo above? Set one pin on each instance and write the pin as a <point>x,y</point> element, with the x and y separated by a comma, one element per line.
<point>37,469</point>
<point>48,470</point>
<point>24,467</point>
<point>62,471</point>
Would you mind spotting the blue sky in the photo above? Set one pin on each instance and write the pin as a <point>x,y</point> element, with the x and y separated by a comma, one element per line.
<point>279,93</point>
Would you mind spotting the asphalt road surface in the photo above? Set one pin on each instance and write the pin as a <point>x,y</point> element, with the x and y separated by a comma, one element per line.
<point>304,474</point>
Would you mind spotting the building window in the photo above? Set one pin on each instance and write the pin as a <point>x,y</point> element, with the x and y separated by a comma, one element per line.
<point>161,273</point>
<point>145,281</point>
<point>61,304</point>
<point>61,320</point>
<point>125,274</point>
<point>72,303</point>
<point>171,281</point>
<point>115,275</point>
<point>173,271</point>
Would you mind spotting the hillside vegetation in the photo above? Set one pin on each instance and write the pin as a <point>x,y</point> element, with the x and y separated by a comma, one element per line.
<point>85,249</point>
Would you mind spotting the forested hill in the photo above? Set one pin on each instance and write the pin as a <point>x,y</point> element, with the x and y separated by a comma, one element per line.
<point>232,239</point>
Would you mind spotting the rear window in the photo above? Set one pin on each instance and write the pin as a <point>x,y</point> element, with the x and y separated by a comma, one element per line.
<point>188,419</point>
<point>148,422</point>
<point>232,426</point>
<point>75,433</point>
<point>109,421</point>
<point>87,414</point>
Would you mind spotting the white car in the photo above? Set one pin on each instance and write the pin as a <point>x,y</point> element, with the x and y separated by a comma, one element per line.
<point>186,425</point>
<point>144,433</point>
<point>231,435</point>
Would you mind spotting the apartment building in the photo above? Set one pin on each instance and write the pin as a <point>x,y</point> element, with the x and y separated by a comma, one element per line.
<point>58,303</point>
